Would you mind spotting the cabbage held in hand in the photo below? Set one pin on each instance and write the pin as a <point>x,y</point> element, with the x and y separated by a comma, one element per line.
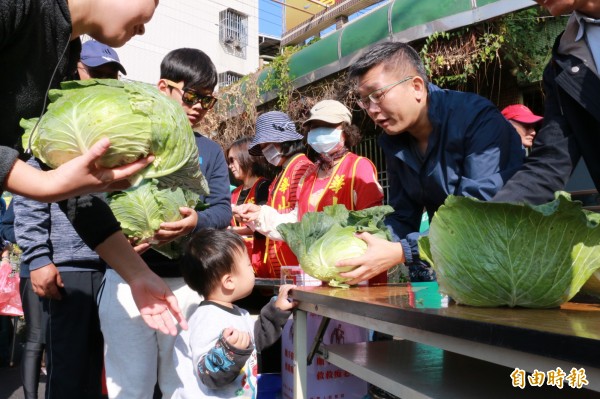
<point>498,254</point>
<point>142,209</point>
<point>321,239</point>
<point>136,117</point>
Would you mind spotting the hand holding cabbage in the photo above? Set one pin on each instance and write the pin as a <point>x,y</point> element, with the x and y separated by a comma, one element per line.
<point>321,239</point>
<point>139,120</point>
<point>381,255</point>
<point>136,117</point>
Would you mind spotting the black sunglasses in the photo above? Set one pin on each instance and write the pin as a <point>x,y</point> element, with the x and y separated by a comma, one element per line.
<point>190,97</point>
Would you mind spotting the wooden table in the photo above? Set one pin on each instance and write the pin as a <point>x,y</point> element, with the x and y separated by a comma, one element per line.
<point>444,350</point>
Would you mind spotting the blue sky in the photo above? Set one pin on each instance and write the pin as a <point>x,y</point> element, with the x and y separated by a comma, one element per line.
<point>269,17</point>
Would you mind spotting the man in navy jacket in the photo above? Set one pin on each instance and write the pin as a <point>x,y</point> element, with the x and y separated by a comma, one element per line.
<point>436,143</point>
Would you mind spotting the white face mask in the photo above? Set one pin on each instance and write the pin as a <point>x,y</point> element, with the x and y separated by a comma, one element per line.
<point>272,154</point>
<point>324,139</point>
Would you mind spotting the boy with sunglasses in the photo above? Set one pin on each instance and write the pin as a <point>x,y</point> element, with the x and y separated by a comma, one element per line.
<point>189,77</point>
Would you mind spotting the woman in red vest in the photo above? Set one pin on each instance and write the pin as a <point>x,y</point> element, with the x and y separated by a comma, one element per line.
<point>277,139</point>
<point>255,176</point>
<point>337,177</point>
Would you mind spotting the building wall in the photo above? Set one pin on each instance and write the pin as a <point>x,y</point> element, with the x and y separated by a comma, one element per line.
<point>190,23</point>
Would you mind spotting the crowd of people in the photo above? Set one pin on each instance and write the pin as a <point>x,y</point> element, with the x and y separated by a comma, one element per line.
<point>114,315</point>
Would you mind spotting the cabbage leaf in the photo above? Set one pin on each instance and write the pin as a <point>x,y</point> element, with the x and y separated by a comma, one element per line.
<point>136,117</point>
<point>500,254</point>
<point>320,239</point>
<point>142,209</point>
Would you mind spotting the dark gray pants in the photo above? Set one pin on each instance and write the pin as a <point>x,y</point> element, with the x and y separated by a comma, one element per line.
<point>74,345</point>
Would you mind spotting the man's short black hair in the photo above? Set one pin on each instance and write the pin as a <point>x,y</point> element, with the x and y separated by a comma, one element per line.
<point>396,56</point>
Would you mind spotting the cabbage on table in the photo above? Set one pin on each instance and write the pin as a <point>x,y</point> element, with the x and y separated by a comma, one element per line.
<point>142,209</point>
<point>136,117</point>
<point>320,239</point>
<point>499,254</point>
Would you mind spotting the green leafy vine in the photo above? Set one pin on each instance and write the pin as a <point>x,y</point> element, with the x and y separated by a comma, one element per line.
<point>451,58</point>
<point>279,78</point>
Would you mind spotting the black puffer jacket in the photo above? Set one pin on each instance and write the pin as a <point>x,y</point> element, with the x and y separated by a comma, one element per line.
<point>571,127</point>
<point>33,35</point>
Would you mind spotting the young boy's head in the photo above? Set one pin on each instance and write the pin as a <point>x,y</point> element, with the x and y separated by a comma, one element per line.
<point>189,77</point>
<point>217,266</point>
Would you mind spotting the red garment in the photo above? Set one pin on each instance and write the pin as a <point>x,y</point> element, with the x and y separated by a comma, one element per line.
<point>283,198</point>
<point>254,244</point>
<point>353,183</point>
<point>250,199</point>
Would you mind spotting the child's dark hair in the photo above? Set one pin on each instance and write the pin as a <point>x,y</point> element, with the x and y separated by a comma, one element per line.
<point>209,255</point>
<point>190,65</point>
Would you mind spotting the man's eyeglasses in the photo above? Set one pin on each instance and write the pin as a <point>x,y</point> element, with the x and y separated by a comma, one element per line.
<point>191,97</point>
<point>376,96</point>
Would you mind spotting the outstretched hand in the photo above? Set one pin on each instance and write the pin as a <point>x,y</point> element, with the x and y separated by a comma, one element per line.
<point>156,303</point>
<point>381,255</point>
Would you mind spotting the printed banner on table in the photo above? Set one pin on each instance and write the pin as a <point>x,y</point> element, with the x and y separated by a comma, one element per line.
<point>324,380</point>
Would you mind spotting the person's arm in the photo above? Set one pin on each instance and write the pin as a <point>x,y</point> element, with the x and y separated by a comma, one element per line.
<point>218,214</point>
<point>152,296</point>
<point>214,167</point>
<point>492,152</point>
<point>552,158</point>
<point>265,219</point>
<point>79,176</point>
<point>381,255</point>
<point>222,364</point>
<point>272,318</point>
<point>32,231</point>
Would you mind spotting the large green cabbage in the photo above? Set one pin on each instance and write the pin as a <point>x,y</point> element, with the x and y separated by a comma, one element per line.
<point>496,254</point>
<point>136,117</point>
<point>320,239</point>
<point>142,209</point>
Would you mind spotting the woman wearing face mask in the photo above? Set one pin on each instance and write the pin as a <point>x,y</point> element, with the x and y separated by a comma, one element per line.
<point>277,139</point>
<point>337,177</point>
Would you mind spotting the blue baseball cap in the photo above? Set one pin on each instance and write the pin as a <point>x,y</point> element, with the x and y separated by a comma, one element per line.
<point>94,54</point>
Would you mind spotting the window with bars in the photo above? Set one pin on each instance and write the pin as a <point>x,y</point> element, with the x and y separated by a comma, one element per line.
<point>227,78</point>
<point>233,32</point>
